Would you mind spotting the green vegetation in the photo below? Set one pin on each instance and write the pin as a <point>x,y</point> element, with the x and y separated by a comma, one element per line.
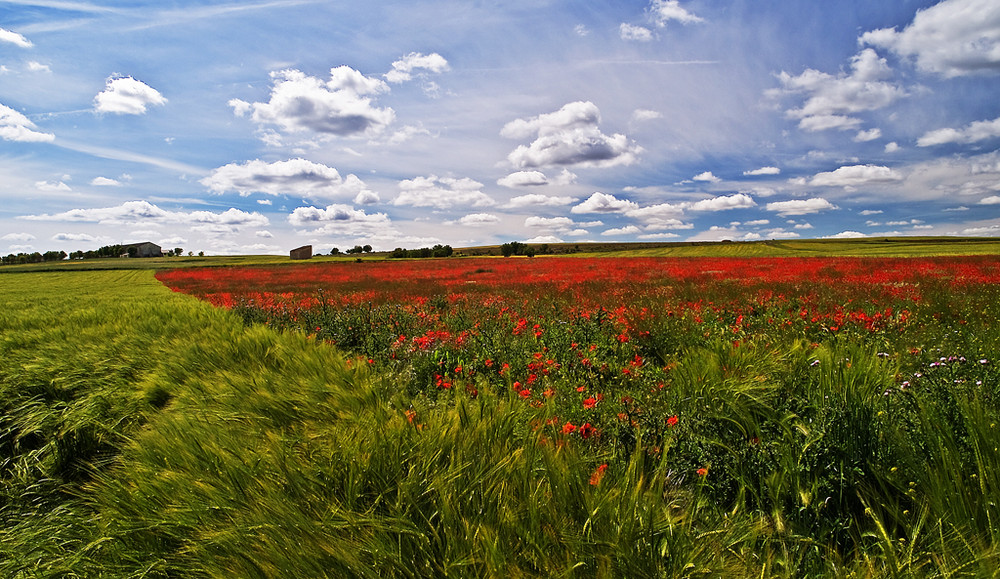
<point>144,433</point>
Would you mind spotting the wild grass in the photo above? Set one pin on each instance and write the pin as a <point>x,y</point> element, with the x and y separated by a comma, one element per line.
<point>146,434</point>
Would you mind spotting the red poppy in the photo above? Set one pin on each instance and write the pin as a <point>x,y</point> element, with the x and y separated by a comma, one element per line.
<point>672,421</point>
<point>702,471</point>
<point>568,428</point>
<point>589,403</point>
<point>595,478</point>
<point>586,431</point>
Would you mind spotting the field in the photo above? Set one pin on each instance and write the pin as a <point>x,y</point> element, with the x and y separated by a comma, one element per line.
<point>642,416</point>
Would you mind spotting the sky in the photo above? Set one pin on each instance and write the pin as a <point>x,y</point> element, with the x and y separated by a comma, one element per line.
<point>256,127</point>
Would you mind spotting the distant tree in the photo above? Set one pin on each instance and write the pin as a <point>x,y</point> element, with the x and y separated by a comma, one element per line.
<point>178,251</point>
<point>201,254</point>
<point>356,249</point>
<point>529,251</point>
<point>398,253</point>
<point>335,251</point>
<point>513,248</point>
<point>367,249</point>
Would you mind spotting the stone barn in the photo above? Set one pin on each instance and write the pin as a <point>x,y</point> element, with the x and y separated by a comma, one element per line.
<point>304,252</point>
<point>144,249</point>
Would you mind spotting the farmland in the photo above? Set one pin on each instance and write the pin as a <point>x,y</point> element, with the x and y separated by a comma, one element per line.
<point>634,416</point>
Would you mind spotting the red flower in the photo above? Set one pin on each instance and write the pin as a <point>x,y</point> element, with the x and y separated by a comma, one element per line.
<point>586,431</point>
<point>672,421</point>
<point>702,471</point>
<point>589,403</point>
<point>595,478</point>
<point>568,428</point>
<point>525,393</point>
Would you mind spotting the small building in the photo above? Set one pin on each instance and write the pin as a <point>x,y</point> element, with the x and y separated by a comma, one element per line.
<point>304,252</point>
<point>144,249</point>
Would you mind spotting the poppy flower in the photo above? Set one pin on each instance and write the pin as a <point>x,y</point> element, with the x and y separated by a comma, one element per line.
<point>568,428</point>
<point>672,421</point>
<point>589,403</point>
<point>586,431</point>
<point>595,478</point>
<point>702,471</point>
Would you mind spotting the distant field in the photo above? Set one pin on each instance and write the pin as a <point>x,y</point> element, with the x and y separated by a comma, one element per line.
<point>868,247</point>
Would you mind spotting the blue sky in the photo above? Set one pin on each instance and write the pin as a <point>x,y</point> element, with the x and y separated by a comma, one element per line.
<point>256,127</point>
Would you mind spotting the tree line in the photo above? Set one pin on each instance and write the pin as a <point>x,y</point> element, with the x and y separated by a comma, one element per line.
<point>105,251</point>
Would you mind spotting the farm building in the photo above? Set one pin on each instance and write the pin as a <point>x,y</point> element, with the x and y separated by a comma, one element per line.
<point>304,252</point>
<point>144,249</point>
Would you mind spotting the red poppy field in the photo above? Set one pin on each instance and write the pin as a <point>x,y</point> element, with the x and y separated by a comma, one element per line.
<point>846,402</point>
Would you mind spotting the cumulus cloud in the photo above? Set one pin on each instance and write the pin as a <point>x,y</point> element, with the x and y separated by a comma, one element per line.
<point>763,171</point>
<point>952,38</point>
<point>132,212</point>
<point>340,220</point>
<point>855,175</point>
<point>722,203</point>
<point>800,206</point>
<point>340,106</point>
<point>22,237</point>
<point>297,177</point>
<point>537,200</point>
<point>479,219</point>
<point>52,186</point>
<point>633,32</point>
<point>567,137</point>
<point>846,235</point>
<point>971,133</point>
<point>75,237</point>
<point>991,200</point>
<point>891,147</point>
<point>560,225</point>
<point>523,179</point>
<point>706,177</point>
<point>604,203</point>
<point>663,11</point>
<point>105,182</point>
<point>14,38</point>
<point>14,126</point>
<point>127,96</point>
<point>869,135</point>
<point>627,230</point>
<point>831,99</point>
<point>403,69</point>
<point>442,193</point>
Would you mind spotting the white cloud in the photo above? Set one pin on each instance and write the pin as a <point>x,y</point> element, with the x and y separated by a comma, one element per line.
<point>831,99</point>
<point>14,126</point>
<point>722,203</point>
<point>133,212</point>
<point>263,202</point>
<point>800,206</point>
<point>655,236</point>
<point>75,237</point>
<point>952,38</point>
<point>537,200</point>
<point>337,107</point>
<point>855,175</point>
<point>643,115</point>
<point>756,223</point>
<point>604,203</point>
<point>869,135</point>
<point>402,69</point>
<point>764,171</point>
<point>846,235</point>
<point>706,177</point>
<point>581,30</point>
<point>264,234</point>
<point>891,147</point>
<point>544,239</point>
<point>867,212</point>
<point>22,237</point>
<point>35,66</point>
<point>971,133</point>
<point>479,219</point>
<point>633,32</point>
<point>52,186</point>
<point>297,177</point>
<point>128,96</point>
<point>342,220</point>
<point>14,38</point>
<point>627,230</point>
<point>567,137</point>
<point>991,200</point>
<point>105,182</point>
<point>442,193</point>
<point>664,11</point>
<point>803,226</point>
<point>523,179</point>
